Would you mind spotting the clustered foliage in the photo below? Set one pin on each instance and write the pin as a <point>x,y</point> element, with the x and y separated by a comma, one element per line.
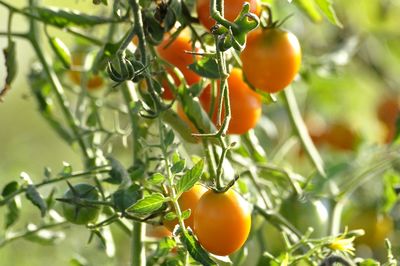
<point>156,103</point>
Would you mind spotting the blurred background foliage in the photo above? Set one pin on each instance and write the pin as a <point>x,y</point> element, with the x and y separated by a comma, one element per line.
<point>346,75</point>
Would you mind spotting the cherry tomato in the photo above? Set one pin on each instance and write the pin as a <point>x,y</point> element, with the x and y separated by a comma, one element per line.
<point>377,227</point>
<point>157,231</point>
<point>188,200</point>
<point>271,59</point>
<point>388,111</point>
<point>246,105</point>
<point>175,54</point>
<point>81,214</point>
<point>340,137</point>
<point>94,82</point>
<point>232,9</point>
<point>222,222</point>
<point>304,214</point>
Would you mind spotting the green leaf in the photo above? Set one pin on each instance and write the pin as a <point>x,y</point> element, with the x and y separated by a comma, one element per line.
<point>391,179</point>
<point>178,166</point>
<point>11,66</point>
<point>170,216</point>
<point>13,205</point>
<point>124,198</point>
<point>156,179</point>
<point>33,196</point>
<point>186,214</point>
<point>44,237</point>
<point>194,248</point>
<point>326,7</point>
<point>148,204</point>
<point>163,249</point>
<point>61,51</point>
<point>206,67</point>
<point>118,173</point>
<point>308,7</point>
<point>169,138</point>
<point>190,178</point>
<point>64,17</point>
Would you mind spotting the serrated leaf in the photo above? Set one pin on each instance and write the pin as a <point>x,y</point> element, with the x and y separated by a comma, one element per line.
<point>124,198</point>
<point>309,8</point>
<point>118,173</point>
<point>194,249</point>
<point>206,67</point>
<point>44,236</point>
<point>33,196</point>
<point>11,66</point>
<point>156,179</point>
<point>190,178</point>
<point>178,166</point>
<point>326,7</point>
<point>64,17</point>
<point>148,204</point>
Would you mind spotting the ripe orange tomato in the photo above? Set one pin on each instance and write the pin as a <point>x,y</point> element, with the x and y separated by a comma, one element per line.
<point>175,55</point>
<point>271,59</point>
<point>388,111</point>
<point>188,200</point>
<point>232,9</point>
<point>222,222</point>
<point>94,82</point>
<point>245,104</point>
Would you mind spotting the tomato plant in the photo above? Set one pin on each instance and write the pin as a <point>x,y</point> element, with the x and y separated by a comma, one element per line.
<point>79,207</point>
<point>222,222</point>
<point>231,9</point>
<point>188,200</point>
<point>278,56</point>
<point>190,155</point>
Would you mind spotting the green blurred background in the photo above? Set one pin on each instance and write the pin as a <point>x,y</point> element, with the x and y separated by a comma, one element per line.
<point>346,73</point>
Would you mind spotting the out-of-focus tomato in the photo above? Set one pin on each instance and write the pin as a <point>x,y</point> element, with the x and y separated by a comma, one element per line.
<point>157,231</point>
<point>388,112</point>
<point>271,59</point>
<point>188,200</point>
<point>377,227</point>
<point>222,222</point>
<point>306,213</point>
<point>232,9</point>
<point>175,54</point>
<point>94,82</point>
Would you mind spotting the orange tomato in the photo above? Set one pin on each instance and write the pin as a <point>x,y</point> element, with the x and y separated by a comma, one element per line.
<point>340,136</point>
<point>94,82</point>
<point>157,231</point>
<point>271,59</point>
<point>232,9</point>
<point>222,222</point>
<point>245,104</point>
<point>175,55</point>
<point>188,200</point>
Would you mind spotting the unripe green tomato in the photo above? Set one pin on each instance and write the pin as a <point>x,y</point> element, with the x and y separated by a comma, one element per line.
<point>81,214</point>
<point>303,214</point>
